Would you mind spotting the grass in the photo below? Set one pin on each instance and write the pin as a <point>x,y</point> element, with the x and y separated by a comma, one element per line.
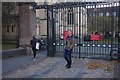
<point>7,46</point>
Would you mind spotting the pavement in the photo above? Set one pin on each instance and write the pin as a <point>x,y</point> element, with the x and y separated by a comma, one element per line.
<point>54,67</point>
<point>117,71</point>
<point>14,63</point>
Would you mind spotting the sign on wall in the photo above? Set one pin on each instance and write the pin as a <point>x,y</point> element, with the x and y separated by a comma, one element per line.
<point>95,37</point>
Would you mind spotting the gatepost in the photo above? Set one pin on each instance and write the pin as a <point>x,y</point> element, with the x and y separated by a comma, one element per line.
<point>27,23</point>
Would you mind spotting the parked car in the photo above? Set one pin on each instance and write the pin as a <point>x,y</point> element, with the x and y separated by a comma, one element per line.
<point>107,35</point>
<point>76,36</point>
<point>87,37</point>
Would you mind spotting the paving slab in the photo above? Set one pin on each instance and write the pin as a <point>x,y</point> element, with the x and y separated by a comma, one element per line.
<point>54,67</point>
<point>13,63</point>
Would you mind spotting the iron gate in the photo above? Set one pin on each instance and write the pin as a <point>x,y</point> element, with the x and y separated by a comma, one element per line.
<point>94,26</point>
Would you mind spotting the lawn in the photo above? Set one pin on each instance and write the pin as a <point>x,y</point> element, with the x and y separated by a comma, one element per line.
<point>7,46</point>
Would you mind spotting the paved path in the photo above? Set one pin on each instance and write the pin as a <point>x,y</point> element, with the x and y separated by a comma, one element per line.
<point>54,68</point>
<point>117,70</point>
<point>20,61</point>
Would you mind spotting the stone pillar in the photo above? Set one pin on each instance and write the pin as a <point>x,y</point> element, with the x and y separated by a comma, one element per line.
<point>27,24</point>
<point>1,39</point>
<point>0,25</point>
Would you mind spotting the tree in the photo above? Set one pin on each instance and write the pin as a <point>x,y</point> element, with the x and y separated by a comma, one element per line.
<point>102,24</point>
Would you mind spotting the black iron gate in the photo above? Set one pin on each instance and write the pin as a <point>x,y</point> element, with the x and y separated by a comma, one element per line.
<point>94,26</point>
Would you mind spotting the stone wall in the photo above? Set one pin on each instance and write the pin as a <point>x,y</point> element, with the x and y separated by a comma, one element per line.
<point>27,22</point>
<point>13,53</point>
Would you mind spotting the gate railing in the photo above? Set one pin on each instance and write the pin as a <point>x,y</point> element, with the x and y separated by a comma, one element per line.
<point>97,21</point>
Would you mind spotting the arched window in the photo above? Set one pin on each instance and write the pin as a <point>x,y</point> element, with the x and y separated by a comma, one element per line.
<point>7,28</point>
<point>70,16</point>
<point>13,28</point>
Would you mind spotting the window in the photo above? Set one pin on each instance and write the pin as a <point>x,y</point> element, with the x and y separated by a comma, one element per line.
<point>7,28</point>
<point>13,28</point>
<point>62,15</point>
<point>70,17</point>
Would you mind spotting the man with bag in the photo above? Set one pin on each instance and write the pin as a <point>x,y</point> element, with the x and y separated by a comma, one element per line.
<point>68,48</point>
<point>35,45</point>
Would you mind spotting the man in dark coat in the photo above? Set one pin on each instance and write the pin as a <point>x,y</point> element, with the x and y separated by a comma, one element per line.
<point>33,44</point>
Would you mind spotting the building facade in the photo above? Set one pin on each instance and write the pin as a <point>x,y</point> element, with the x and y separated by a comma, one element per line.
<point>64,19</point>
<point>10,21</point>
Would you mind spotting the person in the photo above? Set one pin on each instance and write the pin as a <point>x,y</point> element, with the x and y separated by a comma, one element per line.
<point>68,48</point>
<point>33,44</point>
